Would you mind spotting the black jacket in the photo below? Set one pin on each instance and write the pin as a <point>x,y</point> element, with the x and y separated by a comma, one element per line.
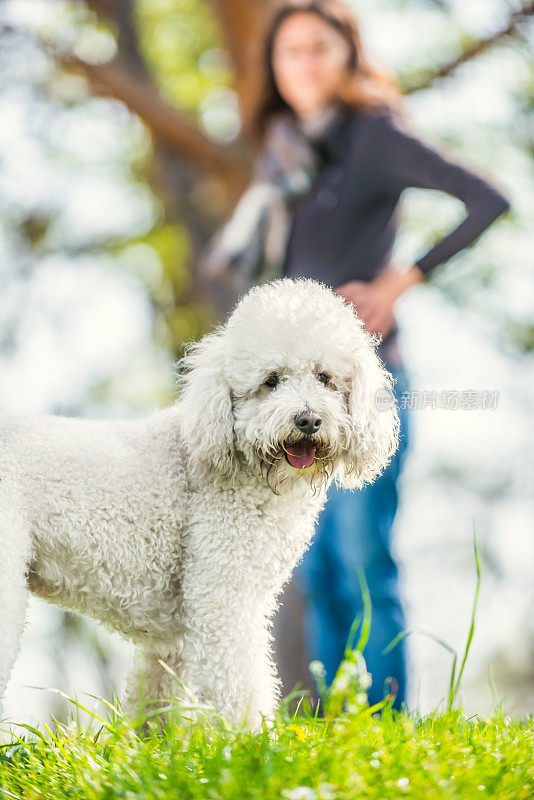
<point>344,228</point>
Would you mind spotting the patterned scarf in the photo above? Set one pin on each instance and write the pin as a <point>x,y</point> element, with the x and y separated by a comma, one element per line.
<point>251,246</point>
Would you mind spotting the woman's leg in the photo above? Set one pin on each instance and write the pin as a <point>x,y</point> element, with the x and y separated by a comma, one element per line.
<point>353,530</point>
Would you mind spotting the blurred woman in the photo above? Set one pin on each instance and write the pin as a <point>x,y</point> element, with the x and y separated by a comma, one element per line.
<point>334,155</point>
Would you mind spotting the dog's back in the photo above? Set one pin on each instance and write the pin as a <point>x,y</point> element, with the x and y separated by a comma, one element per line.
<point>102,503</point>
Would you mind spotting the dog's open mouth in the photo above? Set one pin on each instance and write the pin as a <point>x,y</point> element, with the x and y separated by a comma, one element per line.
<point>300,454</point>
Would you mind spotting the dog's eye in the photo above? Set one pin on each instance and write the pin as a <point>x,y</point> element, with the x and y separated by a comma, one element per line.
<point>324,377</point>
<point>272,380</point>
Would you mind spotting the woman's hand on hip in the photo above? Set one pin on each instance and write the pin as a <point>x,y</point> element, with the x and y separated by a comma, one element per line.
<point>374,300</point>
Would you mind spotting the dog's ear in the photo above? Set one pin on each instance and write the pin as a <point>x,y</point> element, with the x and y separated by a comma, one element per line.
<point>205,405</point>
<point>374,419</point>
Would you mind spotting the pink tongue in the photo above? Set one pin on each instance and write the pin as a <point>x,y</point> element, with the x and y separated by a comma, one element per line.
<point>300,454</point>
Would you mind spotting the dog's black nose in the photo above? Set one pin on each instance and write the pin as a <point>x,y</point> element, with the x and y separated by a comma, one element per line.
<point>308,422</point>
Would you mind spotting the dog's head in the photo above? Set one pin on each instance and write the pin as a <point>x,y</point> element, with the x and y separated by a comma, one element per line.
<point>292,386</point>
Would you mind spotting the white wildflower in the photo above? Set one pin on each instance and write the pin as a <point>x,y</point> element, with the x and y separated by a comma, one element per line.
<point>341,683</point>
<point>366,679</point>
<point>327,791</point>
<point>300,793</point>
<point>317,668</point>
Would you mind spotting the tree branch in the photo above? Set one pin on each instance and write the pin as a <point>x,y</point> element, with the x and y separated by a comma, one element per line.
<point>128,78</point>
<point>169,126</point>
<point>243,25</point>
<point>478,47</point>
<point>120,14</point>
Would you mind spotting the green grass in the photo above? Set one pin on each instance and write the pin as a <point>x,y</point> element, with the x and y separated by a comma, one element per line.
<point>353,751</point>
<point>356,755</point>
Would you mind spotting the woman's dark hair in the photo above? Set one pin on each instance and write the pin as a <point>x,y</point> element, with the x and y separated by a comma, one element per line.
<point>368,85</point>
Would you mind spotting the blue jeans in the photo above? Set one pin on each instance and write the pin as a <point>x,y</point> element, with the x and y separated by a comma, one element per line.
<point>355,529</point>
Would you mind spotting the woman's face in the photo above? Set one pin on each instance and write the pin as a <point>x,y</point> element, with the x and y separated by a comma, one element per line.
<point>309,61</point>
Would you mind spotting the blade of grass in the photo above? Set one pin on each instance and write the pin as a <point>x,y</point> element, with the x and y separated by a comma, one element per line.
<point>471,633</point>
<point>367,611</point>
<point>190,694</point>
<point>352,633</point>
<point>10,794</point>
<point>403,634</point>
<point>80,706</point>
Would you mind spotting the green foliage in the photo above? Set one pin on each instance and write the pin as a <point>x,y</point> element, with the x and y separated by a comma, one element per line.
<point>520,336</point>
<point>181,42</point>
<point>159,259</point>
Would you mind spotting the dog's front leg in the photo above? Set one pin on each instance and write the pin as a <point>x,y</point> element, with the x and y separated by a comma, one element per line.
<point>229,666</point>
<point>201,679</point>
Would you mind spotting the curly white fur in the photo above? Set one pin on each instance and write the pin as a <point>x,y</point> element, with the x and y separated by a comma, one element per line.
<point>181,529</point>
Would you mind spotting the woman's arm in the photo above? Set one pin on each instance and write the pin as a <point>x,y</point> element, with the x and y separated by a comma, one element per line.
<point>404,160</point>
<point>407,161</point>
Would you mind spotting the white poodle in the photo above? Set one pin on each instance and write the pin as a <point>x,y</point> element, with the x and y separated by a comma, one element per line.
<point>180,530</point>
